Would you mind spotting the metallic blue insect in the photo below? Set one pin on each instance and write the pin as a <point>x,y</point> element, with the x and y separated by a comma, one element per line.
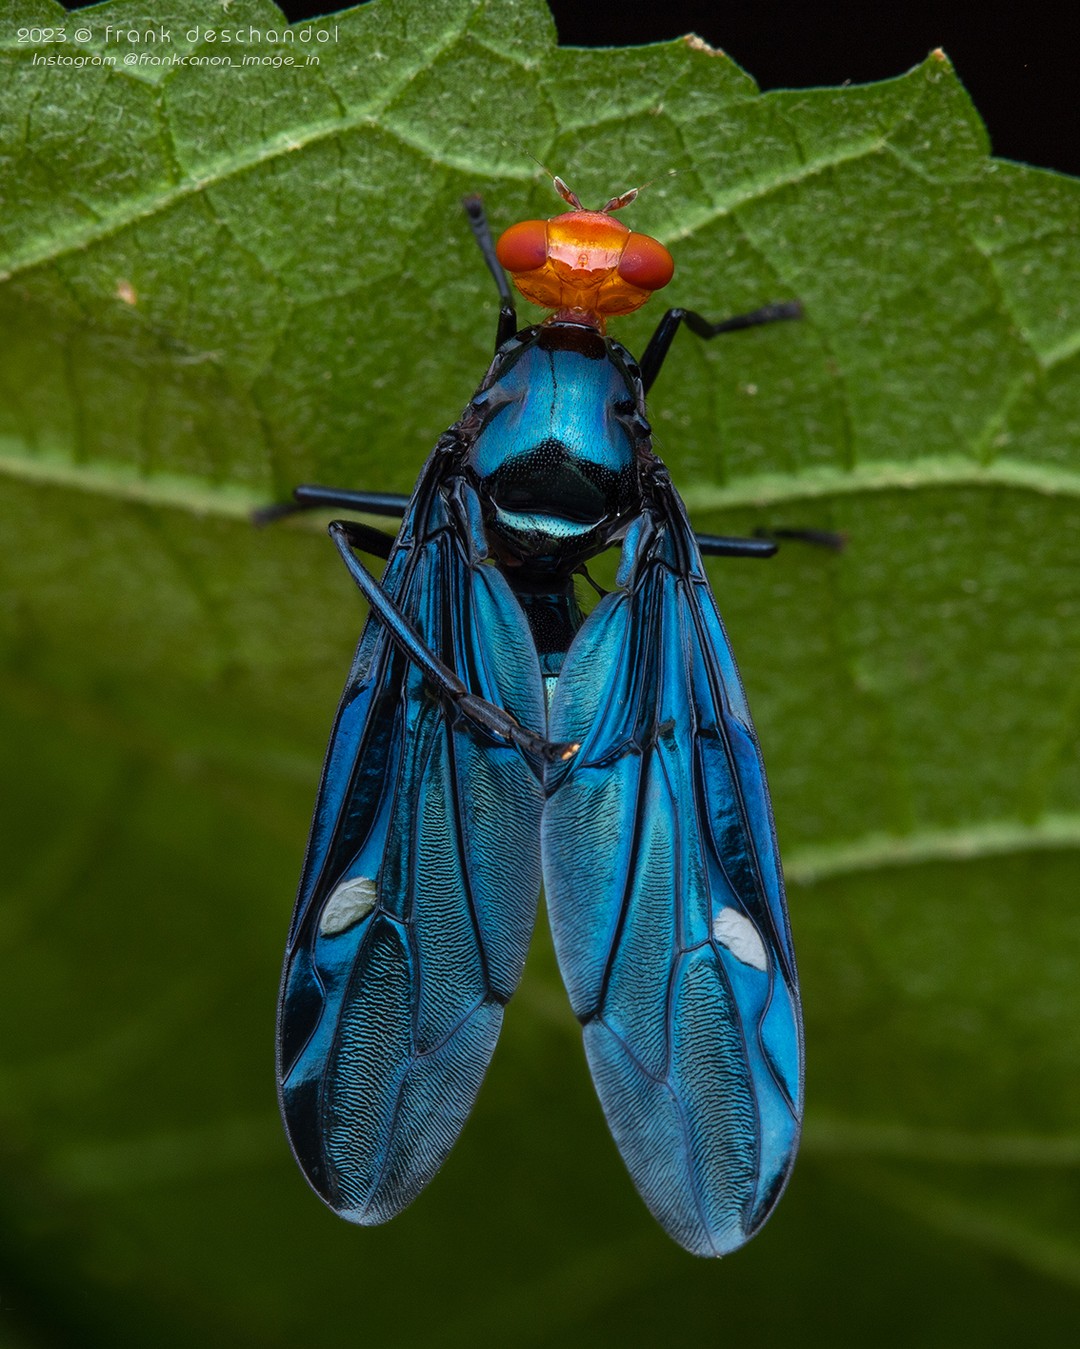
<point>492,738</point>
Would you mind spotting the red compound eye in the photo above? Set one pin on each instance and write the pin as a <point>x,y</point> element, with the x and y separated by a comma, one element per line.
<point>524,246</point>
<point>646,263</point>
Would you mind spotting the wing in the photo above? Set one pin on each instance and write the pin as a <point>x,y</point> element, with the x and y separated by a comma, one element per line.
<point>421,881</point>
<point>666,898</point>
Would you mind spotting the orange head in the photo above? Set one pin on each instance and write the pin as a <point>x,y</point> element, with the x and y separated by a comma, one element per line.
<point>584,265</point>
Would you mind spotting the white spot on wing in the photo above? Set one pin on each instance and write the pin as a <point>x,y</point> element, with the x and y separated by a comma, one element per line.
<point>351,901</point>
<point>735,931</point>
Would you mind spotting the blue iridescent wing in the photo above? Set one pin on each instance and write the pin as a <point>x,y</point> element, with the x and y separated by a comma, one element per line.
<point>666,899</point>
<point>421,881</point>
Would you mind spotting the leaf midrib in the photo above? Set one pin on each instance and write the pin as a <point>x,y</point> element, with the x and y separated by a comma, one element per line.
<point>173,491</point>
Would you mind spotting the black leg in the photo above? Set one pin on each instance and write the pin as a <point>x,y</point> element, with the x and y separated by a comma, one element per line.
<point>474,209</point>
<point>310,496</point>
<point>717,545</point>
<point>818,538</point>
<point>495,720</point>
<point>371,541</point>
<point>668,326</point>
<point>766,542</point>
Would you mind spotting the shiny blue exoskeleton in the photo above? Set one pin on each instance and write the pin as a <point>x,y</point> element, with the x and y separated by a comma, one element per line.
<point>491,739</point>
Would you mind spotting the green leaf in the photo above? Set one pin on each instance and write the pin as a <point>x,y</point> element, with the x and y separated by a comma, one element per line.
<point>215,283</point>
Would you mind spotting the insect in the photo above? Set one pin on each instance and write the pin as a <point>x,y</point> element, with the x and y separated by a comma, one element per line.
<point>492,738</point>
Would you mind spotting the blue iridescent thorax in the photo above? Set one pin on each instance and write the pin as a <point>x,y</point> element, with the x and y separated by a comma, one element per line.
<point>556,436</point>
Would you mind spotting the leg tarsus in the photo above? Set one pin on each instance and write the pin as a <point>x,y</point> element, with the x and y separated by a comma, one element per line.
<point>660,342</point>
<point>766,542</point>
<point>269,515</point>
<point>817,538</point>
<point>779,312</point>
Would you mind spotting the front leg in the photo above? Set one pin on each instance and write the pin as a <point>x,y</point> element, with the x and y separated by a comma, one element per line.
<point>660,342</point>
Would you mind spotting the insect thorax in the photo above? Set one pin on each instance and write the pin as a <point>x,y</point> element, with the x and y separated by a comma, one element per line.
<point>555,441</point>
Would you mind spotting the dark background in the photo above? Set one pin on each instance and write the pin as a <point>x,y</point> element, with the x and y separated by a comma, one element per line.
<point>1018,61</point>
